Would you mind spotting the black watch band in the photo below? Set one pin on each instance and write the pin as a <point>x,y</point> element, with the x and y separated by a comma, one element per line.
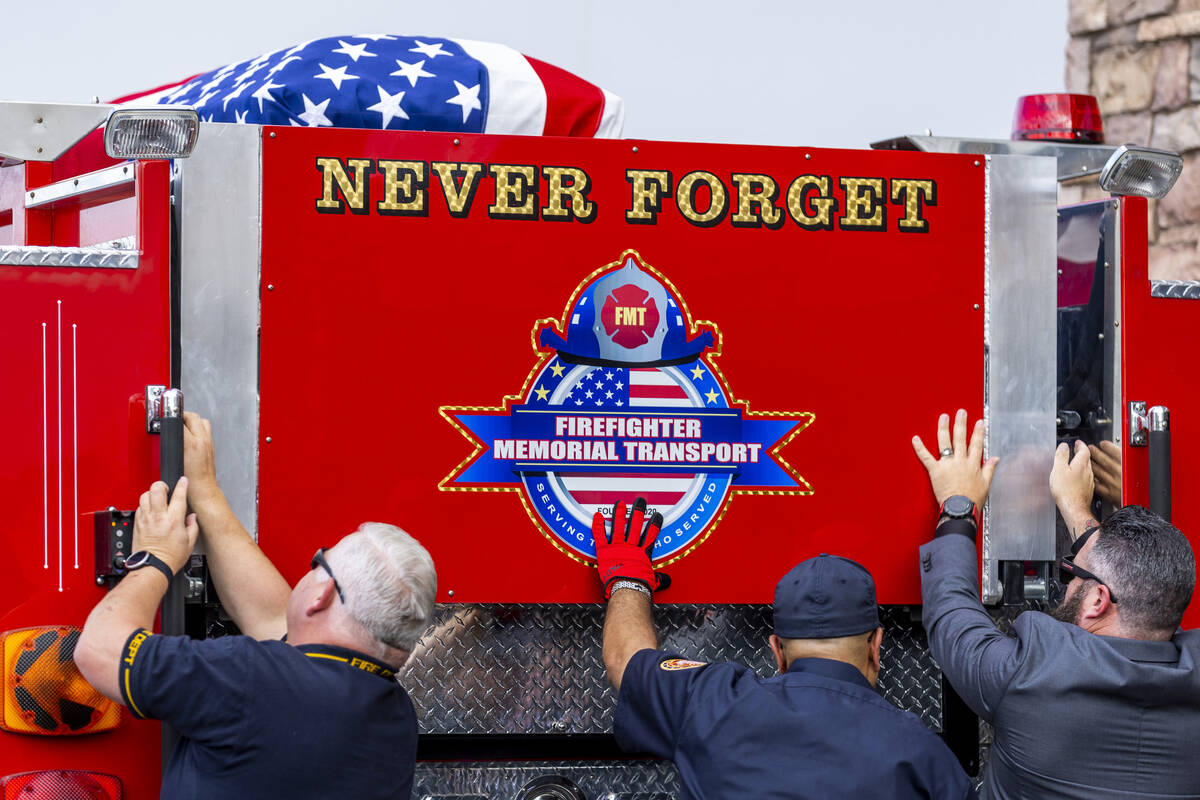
<point>966,527</point>
<point>144,558</point>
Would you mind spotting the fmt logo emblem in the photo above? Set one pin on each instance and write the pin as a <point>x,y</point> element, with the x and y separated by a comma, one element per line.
<point>634,321</point>
<point>625,401</point>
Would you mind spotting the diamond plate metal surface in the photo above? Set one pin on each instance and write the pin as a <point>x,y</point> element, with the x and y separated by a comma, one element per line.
<point>493,669</point>
<point>1179,290</point>
<point>908,676</point>
<point>607,780</point>
<point>101,257</point>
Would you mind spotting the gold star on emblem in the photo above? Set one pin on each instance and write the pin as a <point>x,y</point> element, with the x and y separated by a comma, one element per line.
<point>557,369</point>
<point>541,393</point>
<point>697,373</point>
<point>711,395</point>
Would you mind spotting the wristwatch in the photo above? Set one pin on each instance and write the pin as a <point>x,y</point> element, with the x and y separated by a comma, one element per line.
<point>958,507</point>
<point>144,558</point>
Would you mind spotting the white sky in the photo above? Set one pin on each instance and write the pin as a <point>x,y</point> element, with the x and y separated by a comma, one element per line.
<point>840,73</point>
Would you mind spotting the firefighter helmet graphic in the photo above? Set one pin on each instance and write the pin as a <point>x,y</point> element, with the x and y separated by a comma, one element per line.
<point>626,317</point>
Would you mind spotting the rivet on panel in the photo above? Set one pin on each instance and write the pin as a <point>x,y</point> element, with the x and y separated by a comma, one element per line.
<point>1101,336</point>
<point>270,287</point>
<point>977,163</point>
<point>268,440</point>
<point>456,142</point>
<point>635,148</point>
<point>272,134</point>
<point>977,306</point>
<point>1117,324</point>
<point>450,593</point>
<point>808,156</point>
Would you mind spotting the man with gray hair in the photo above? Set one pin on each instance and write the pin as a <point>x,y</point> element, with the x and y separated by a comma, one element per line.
<point>311,682</point>
<point>1100,699</point>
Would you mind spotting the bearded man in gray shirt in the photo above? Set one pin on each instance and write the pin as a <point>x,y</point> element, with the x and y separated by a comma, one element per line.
<point>1100,699</point>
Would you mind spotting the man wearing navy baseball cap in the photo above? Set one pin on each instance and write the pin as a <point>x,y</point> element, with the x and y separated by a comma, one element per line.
<point>816,730</point>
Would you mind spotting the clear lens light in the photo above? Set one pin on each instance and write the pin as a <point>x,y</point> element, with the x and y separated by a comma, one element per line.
<point>1141,171</point>
<point>151,133</point>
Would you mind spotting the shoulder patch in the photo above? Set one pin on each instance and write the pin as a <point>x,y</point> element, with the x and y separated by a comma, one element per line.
<point>673,664</point>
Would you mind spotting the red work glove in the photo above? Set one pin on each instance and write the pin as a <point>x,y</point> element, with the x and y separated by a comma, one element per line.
<point>626,554</point>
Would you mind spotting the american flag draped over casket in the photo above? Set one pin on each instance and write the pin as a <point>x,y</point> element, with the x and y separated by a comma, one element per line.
<point>392,82</point>
<point>386,82</point>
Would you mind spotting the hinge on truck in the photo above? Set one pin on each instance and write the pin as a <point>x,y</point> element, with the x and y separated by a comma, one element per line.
<point>154,395</point>
<point>161,402</point>
<point>1139,424</point>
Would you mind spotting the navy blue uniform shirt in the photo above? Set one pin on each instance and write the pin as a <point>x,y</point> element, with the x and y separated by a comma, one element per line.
<point>269,720</point>
<point>819,731</point>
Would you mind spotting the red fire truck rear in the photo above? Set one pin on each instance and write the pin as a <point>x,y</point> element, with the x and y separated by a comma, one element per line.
<point>487,338</point>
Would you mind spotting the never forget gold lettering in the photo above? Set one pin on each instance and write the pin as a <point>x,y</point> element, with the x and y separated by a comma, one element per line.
<point>702,198</point>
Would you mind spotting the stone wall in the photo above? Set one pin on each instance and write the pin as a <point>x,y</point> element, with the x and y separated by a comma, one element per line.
<point>1141,59</point>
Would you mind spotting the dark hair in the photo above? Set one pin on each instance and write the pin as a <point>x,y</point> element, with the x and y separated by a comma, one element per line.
<point>1149,565</point>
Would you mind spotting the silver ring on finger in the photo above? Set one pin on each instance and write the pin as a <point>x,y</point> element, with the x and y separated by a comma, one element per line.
<point>947,452</point>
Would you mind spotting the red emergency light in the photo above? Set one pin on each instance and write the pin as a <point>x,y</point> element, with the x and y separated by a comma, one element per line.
<point>61,784</point>
<point>1064,117</point>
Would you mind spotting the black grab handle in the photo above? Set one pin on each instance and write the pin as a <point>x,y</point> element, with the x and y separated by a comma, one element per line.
<point>170,471</point>
<point>1160,461</point>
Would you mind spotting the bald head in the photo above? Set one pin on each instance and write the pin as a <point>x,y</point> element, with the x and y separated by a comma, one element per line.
<point>860,651</point>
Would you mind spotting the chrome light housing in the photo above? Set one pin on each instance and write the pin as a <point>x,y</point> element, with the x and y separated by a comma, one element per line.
<point>1141,171</point>
<point>150,133</point>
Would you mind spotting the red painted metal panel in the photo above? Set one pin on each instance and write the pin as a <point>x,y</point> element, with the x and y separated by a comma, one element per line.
<point>385,338</point>
<point>1157,334</point>
<point>75,442</point>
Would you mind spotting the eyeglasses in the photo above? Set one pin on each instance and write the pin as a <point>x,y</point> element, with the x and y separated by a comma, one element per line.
<point>1068,569</point>
<point>318,560</point>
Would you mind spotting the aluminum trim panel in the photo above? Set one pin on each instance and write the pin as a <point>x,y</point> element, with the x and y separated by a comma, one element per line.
<point>1073,160</point>
<point>219,203</point>
<point>1176,290</point>
<point>80,186</point>
<point>1111,231</point>
<point>1019,393</point>
<point>99,257</point>
<point>44,131</point>
<point>495,669</point>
